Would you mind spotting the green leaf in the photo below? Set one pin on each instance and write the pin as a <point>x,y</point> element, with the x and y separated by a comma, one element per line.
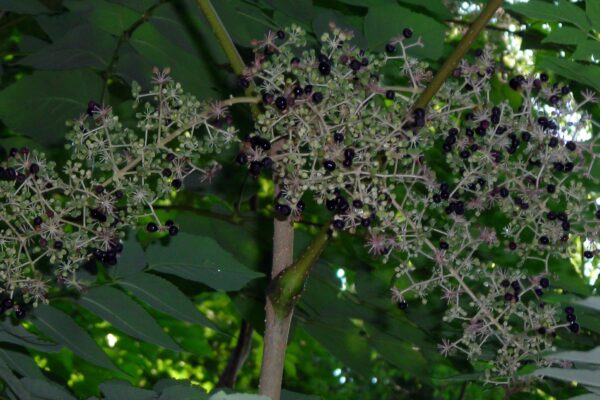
<point>13,382</point>
<point>563,12</point>
<point>179,392</point>
<point>436,7</point>
<point>299,10</point>
<point>590,357</point>
<point>592,302</point>
<point>23,7</point>
<point>153,49</point>
<point>112,18</point>
<point>136,5</point>
<point>82,47</point>
<point>586,50</point>
<point>200,259</point>
<point>46,390</point>
<point>16,334</point>
<point>384,22</point>
<point>22,363</point>
<point>61,328</point>
<point>164,296</point>
<point>588,396</point>
<point>125,314</point>
<point>243,23</point>
<point>120,390</point>
<point>132,260</point>
<point>565,35</point>
<point>38,105</point>
<point>581,376</point>
<point>588,75</point>
<point>289,395</point>
<point>400,354</point>
<point>592,10</point>
<point>236,396</point>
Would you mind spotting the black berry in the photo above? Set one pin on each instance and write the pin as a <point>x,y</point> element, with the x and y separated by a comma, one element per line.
<point>324,68</point>
<point>329,165</point>
<point>281,103</point>
<point>152,227</point>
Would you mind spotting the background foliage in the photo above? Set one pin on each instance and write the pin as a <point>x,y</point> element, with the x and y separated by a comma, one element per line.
<point>171,309</point>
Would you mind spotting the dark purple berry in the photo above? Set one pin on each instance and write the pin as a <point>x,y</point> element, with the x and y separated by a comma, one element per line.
<point>553,142</point>
<point>544,240</point>
<point>324,68</point>
<point>512,246</point>
<point>167,172</point>
<point>176,183</point>
<point>242,158</point>
<point>338,137</point>
<point>444,245</point>
<point>541,330</point>
<point>329,165</point>
<point>505,283</point>
<point>550,188</point>
<point>244,82</point>
<point>571,317</point>
<point>298,91</point>
<point>34,168</point>
<point>267,98</point>
<point>317,97</point>
<point>574,327</point>
<point>58,245</point>
<point>267,163</point>
<point>407,33</point>
<point>349,153</point>
<point>403,305</point>
<point>390,48</point>
<point>283,209</point>
<point>545,283</point>
<point>538,291</point>
<point>569,310</point>
<point>308,89</point>
<point>173,230</point>
<point>390,94</point>
<point>280,34</point>
<point>7,304</point>
<point>588,254</point>
<point>338,224</point>
<point>355,65</point>
<point>20,312</point>
<point>300,206</point>
<point>281,103</point>
<point>255,168</point>
<point>119,194</point>
<point>152,227</point>
<point>99,189</point>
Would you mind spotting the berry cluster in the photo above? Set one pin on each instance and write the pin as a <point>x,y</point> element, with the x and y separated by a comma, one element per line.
<point>69,216</point>
<point>412,177</point>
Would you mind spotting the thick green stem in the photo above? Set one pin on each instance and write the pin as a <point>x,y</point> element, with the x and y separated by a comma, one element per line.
<point>237,64</point>
<point>285,289</point>
<point>458,53</point>
<point>235,60</point>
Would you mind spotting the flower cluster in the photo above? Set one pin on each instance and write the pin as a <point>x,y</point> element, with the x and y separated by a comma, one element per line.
<point>62,218</point>
<point>444,192</point>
